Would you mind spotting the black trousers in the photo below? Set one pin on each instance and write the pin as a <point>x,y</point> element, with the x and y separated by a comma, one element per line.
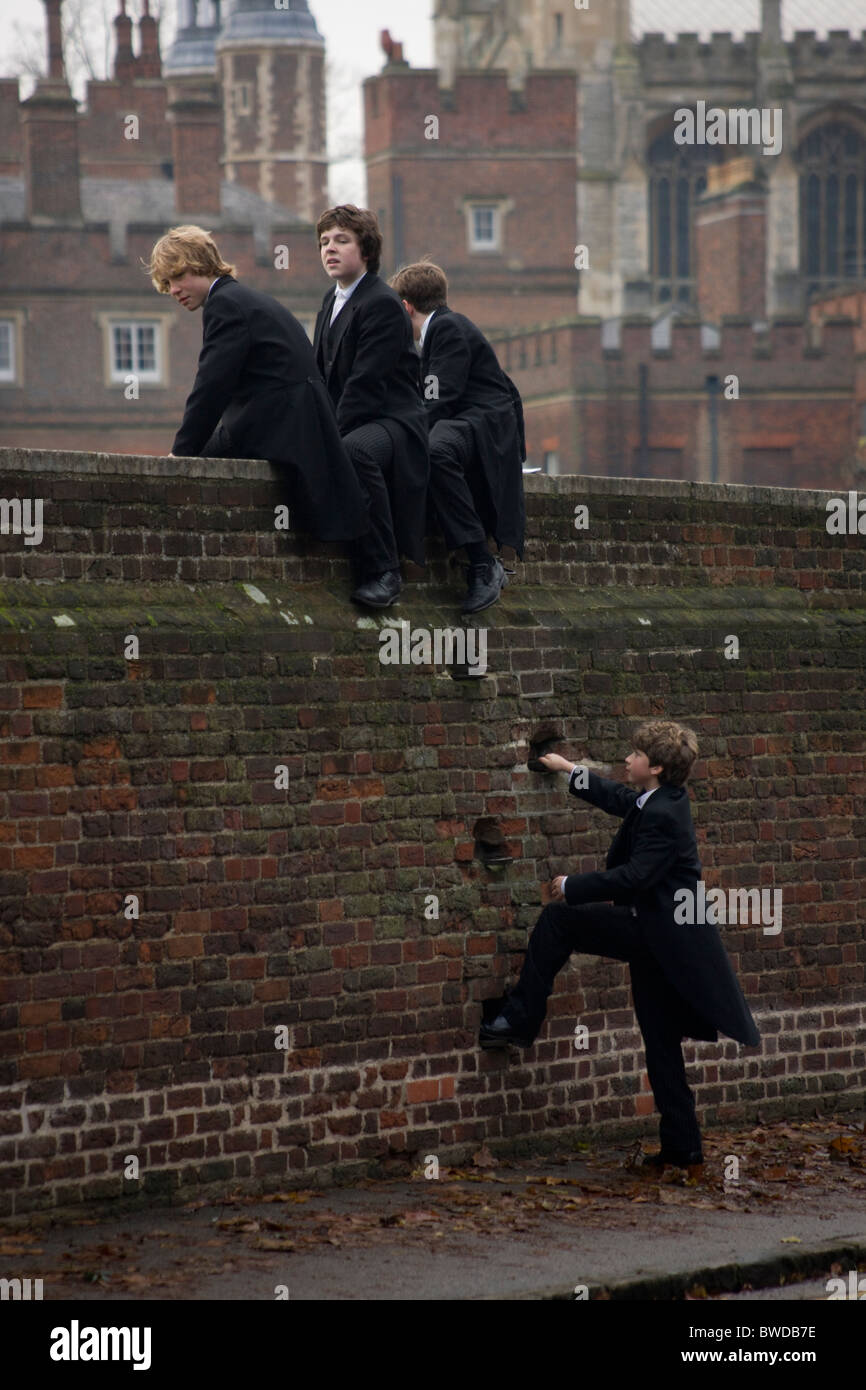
<point>606,930</point>
<point>452,455</point>
<point>371,450</point>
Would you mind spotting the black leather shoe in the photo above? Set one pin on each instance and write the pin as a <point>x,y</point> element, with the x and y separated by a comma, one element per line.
<point>660,1161</point>
<point>500,1033</point>
<point>487,579</point>
<point>380,591</point>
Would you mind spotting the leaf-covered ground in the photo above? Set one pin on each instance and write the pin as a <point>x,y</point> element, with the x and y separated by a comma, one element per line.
<point>174,1251</point>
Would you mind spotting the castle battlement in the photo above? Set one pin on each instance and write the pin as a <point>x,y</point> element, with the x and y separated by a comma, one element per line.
<point>839,47</point>
<point>480,111</point>
<point>686,58</point>
<point>829,344</point>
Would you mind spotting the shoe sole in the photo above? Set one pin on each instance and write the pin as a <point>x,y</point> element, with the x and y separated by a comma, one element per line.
<point>365,602</point>
<point>492,1044</point>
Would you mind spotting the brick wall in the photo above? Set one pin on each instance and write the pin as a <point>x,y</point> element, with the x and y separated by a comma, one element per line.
<point>304,907</point>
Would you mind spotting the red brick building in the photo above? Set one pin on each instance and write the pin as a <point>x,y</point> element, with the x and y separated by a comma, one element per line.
<point>654,301</point>
<point>651,297</point>
<point>229,132</point>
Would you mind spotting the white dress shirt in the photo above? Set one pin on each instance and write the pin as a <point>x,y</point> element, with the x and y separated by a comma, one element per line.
<point>343,294</point>
<point>424,330</point>
<point>644,797</point>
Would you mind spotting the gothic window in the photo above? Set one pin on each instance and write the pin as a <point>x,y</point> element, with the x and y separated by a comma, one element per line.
<point>677,178</point>
<point>832,163</point>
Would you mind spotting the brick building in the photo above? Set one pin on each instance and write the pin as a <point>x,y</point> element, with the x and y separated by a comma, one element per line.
<point>537,162</point>
<point>701,260</point>
<point>229,131</point>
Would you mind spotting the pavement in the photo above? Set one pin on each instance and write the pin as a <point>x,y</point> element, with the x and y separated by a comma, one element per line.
<point>498,1229</point>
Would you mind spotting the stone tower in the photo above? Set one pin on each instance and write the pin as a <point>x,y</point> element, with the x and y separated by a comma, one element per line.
<point>519,35</point>
<point>594,43</point>
<point>271,68</point>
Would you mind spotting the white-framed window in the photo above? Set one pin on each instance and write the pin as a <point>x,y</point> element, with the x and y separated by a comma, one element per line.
<point>485,232</point>
<point>485,222</point>
<point>135,345</point>
<point>242,99</point>
<point>484,227</point>
<point>11,356</point>
<point>135,348</point>
<point>7,350</point>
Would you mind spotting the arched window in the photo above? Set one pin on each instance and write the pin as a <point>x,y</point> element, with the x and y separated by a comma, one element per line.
<point>677,178</point>
<point>832,160</point>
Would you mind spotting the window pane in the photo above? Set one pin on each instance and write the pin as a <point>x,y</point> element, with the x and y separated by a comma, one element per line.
<point>664,227</point>
<point>6,348</point>
<point>683,218</point>
<point>146,335</point>
<point>122,348</point>
<point>850,267</point>
<point>483,225</point>
<point>813,225</point>
<point>832,227</point>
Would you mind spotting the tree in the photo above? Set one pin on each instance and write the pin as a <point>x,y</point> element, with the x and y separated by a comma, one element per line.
<point>88,40</point>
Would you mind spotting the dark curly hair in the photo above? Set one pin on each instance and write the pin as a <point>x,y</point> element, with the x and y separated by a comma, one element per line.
<point>363,223</point>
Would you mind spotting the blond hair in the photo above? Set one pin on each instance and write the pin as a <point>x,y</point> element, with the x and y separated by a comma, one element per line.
<point>182,249</point>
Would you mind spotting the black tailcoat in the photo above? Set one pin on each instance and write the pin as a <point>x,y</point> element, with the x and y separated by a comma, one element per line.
<point>370,368</point>
<point>257,395</point>
<point>654,853</point>
<point>472,386</point>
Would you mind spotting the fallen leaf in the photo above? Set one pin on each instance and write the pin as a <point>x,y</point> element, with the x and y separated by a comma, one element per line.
<point>841,1146</point>
<point>484,1158</point>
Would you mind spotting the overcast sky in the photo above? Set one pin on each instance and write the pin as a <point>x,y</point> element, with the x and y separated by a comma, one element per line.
<point>351,29</point>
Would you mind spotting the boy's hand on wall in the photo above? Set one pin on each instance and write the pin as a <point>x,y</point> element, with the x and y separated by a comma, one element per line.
<point>554,763</point>
<point>556,887</point>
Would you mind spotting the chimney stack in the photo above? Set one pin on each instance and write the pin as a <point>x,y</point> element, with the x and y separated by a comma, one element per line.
<point>56,72</point>
<point>149,57</point>
<point>730,241</point>
<point>49,122</point>
<point>124,58</point>
<point>195,116</point>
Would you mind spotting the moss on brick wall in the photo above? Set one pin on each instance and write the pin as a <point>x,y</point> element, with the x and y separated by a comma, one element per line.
<point>306,906</point>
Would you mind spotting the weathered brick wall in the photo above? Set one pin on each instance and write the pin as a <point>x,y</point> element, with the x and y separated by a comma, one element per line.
<point>304,907</point>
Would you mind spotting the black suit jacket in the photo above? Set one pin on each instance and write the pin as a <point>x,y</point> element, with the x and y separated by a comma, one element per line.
<point>462,380</point>
<point>655,853</point>
<point>370,368</point>
<point>258,395</point>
